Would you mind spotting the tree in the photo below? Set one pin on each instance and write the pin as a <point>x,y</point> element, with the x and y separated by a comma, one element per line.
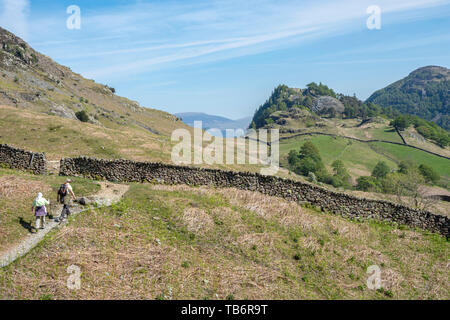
<point>293,157</point>
<point>410,189</point>
<point>366,183</point>
<point>307,160</point>
<point>381,170</point>
<point>429,174</point>
<point>405,165</point>
<point>338,167</point>
<point>341,176</point>
<point>309,150</point>
<point>400,123</point>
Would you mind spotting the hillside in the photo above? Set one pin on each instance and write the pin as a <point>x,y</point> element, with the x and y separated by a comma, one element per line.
<point>60,137</point>
<point>32,81</point>
<point>425,92</point>
<point>316,97</point>
<point>179,242</point>
<point>356,134</point>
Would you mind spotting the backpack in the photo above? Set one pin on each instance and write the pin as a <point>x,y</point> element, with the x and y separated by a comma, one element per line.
<point>62,192</point>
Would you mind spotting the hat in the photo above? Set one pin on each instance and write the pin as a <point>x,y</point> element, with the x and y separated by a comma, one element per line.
<point>68,181</point>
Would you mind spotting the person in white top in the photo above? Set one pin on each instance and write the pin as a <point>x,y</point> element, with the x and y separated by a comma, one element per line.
<point>39,210</point>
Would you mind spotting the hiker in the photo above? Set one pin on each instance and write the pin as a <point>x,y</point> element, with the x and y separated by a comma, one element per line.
<point>39,210</point>
<point>63,197</point>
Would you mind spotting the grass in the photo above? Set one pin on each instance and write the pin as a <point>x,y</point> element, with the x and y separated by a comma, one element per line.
<point>385,133</point>
<point>181,242</point>
<point>360,158</point>
<point>59,137</point>
<point>400,153</point>
<point>17,192</point>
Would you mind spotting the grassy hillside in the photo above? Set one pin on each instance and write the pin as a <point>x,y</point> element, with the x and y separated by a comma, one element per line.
<point>400,153</point>
<point>59,137</point>
<point>338,149</point>
<point>32,81</point>
<point>179,242</point>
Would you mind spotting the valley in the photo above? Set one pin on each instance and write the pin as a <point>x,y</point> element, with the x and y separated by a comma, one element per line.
<point>197,233</point>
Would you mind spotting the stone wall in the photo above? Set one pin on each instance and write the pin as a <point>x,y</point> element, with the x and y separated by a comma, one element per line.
<point>21,159</point>
<point>338,203</point>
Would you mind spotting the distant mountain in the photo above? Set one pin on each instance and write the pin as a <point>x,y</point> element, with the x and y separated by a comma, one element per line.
<point>212,121</point>
<point>425,92</point>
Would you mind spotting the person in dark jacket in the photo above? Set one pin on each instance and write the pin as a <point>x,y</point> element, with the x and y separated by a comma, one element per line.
<point>65,193</point>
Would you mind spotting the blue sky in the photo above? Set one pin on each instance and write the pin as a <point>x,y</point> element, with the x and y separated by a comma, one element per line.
<point>225,57</point>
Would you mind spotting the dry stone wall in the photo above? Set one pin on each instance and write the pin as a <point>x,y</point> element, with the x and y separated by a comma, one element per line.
<point>21,159</point>
<point>338,203</point>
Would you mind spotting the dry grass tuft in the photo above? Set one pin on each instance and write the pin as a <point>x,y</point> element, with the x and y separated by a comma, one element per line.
<point>15,188</point>
<point>197,220</point>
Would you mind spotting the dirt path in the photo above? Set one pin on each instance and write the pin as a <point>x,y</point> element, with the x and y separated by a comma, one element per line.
<point>53,167</point>
<point>109,194</point>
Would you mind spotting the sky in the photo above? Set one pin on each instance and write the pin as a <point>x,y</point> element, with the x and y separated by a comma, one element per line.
<point>226,57</point>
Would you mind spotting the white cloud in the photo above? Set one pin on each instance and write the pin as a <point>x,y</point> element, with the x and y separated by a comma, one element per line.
<point>14,16</point>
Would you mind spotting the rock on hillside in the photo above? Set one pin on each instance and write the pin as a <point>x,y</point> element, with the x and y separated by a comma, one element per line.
<point>326,102</point>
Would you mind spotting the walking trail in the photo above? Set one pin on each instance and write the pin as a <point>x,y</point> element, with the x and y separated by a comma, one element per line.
<point>109,194</point>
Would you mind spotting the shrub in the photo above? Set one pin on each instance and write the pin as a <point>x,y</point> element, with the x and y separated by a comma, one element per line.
<point>366,183</point>
<point>82,116</point>
<point>381,170</point>
<point>404,166</point>
<point>312,177</point>
<point>429,174</point>
<point>306,160</point>
<point>341,176</point>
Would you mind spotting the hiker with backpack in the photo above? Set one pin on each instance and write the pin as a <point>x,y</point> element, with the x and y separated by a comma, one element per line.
<point>63,197</point>
<point>40,211</point>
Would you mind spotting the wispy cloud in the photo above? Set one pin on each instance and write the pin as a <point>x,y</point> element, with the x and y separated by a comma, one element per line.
<point>191,32</point>
<point>14,16</point>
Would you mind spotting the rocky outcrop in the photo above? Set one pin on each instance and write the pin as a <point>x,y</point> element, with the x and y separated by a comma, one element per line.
<point>326,102</point>
<point>338,203</point>
<point>62,111</point>
<point>24,160</point>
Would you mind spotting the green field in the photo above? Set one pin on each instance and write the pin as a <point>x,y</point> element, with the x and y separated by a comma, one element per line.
<point>385,133</point>
<point>400,153</point>
<point>360,158</point>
